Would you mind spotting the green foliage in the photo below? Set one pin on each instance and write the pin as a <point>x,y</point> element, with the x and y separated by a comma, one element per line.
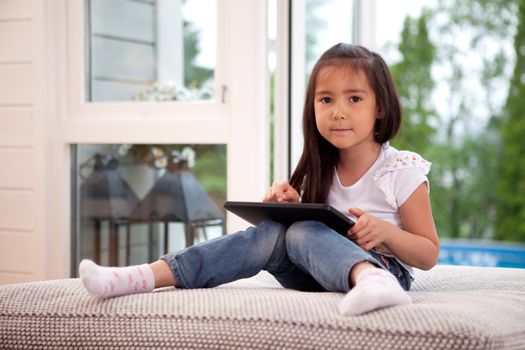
<point>510,218</point>
<point>414,82</point>
<point>462,181</point>
<point>210,168</point>
<point>465,150</point>
<point>194,75</point>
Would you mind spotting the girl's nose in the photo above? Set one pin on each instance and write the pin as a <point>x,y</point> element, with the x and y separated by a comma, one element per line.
<point>338,115</point>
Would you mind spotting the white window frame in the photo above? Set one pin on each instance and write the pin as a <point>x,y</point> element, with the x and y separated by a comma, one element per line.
<point>365,23</point>
<point>297,83</point>
<point>282,93</point>
<point>202,121</point>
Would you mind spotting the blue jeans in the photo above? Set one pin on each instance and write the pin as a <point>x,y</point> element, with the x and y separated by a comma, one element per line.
<point>306,256</point>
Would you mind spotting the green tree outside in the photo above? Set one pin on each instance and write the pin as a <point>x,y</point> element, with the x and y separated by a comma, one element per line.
<point>415,85</point>
<point>510,215</point>
<point>465,154</point>
<point>194,75</point>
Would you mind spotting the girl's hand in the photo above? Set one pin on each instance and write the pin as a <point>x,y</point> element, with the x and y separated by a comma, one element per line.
<point>369,231</point>
<point>281,192</point>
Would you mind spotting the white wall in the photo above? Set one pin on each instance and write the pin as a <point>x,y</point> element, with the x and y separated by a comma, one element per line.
<point>22,147</point>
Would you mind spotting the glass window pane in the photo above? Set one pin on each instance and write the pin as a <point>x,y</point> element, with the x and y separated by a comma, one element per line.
<point>327,22</point>
<point>453,62</point>
<point>133,203</point>
<point>156,50</point>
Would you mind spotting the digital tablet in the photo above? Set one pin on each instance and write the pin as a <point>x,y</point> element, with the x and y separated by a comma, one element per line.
<point>288,213</point>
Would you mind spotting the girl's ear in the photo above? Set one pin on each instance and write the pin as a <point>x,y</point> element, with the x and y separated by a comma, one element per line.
<point>379,113</point>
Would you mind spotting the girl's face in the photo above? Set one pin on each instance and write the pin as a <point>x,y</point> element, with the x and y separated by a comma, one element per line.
<point>345,107</point>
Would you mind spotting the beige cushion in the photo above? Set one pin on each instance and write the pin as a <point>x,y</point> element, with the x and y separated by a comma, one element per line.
<point>453,308</point>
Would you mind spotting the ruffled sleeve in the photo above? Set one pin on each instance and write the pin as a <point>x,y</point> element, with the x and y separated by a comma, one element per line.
<point>386,176</point>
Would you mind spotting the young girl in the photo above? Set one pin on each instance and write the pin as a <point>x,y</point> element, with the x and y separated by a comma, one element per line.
<point>351,112</point>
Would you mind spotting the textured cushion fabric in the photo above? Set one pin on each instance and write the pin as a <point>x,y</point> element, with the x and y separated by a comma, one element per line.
<point>453,308</point>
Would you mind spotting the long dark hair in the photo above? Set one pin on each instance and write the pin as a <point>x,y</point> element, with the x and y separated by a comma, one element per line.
<point>314,173</point>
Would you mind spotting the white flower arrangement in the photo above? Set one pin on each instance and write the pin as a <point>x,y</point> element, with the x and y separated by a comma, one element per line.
<point>175,92</point>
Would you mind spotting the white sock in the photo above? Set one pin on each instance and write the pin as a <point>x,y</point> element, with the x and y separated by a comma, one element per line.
<point>374,289</point>
<point>105,282</point>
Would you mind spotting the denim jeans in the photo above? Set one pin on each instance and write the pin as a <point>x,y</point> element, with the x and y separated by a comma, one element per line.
<point>306,256</point>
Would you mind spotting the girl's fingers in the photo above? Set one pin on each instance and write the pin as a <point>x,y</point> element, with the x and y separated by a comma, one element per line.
<point>278,192</point>
<point>368,245</point>
<point>365,244</point>
<point>356,236</point>
<point>285,192</point>
<point>281,192</point>
<point>359,225</point>
<point>362,237</point>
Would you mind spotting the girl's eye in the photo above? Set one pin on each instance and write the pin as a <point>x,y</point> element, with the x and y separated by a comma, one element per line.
<point>325,100</point>
<point>355,99</point>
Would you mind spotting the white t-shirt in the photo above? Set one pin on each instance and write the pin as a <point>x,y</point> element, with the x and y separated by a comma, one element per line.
<point>383,188</point>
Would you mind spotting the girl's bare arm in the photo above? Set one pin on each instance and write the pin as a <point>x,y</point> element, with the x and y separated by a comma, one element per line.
<point>417,244</point>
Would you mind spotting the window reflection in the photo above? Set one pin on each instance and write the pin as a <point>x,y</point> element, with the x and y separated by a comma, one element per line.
<point>136,202</point>
<point>156,50</point>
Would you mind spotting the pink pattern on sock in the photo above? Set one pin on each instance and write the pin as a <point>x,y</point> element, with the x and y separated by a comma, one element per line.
<point>117,275</point>
<point>140,271</point>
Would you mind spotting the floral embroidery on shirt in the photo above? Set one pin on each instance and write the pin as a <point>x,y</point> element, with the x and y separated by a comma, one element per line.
<point>401,160</point>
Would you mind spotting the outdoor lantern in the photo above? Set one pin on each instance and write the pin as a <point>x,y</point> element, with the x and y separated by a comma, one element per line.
<point>105,195</point>
<point>177,196</point>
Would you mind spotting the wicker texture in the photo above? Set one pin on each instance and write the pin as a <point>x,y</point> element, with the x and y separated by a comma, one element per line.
<point>453,308</point>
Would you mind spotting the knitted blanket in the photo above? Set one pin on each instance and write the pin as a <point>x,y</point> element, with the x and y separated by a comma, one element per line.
<point>453,308</point>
